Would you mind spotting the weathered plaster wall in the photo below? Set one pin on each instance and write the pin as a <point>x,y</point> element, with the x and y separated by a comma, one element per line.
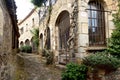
<point>5,42</point>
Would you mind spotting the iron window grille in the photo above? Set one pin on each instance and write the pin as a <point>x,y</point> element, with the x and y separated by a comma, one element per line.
<point>96,24</point>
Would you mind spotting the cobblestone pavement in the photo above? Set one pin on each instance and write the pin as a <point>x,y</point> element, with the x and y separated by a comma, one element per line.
<point>36,69</point>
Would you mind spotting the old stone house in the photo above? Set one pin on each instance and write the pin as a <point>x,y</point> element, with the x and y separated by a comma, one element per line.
<point>30,22</point>
<point>77,27</point>
<point>73,29</point>
<point>8,37</point>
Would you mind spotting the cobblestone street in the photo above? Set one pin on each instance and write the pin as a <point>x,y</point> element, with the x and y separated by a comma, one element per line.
<point>35,69</point>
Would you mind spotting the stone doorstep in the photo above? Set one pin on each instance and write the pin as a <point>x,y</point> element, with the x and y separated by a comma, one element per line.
<point>61,67</point>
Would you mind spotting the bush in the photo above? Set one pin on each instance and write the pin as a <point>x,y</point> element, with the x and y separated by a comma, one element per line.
<point>49,56</point>
<point>27,49</point>
<point>114,43</point>
<point>102,60</point>
<point>44,52</point>
<point>75,72</point>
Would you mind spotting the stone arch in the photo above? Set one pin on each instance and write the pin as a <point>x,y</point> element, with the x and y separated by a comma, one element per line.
<point>21,43</point>
<point>33,45</point>
<point>41,41</point>
<point>48,38</point>
<point>63,29</point>
<point>27,42</point>
<point>103,3</point>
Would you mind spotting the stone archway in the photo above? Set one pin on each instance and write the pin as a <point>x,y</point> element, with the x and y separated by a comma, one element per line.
<point>63,35</point>
<point>27,42</point>
<point>63,25</point>
<point>21,44</point>
<point>48,40</point>
<point>33,45</point>
<point>41,41</point>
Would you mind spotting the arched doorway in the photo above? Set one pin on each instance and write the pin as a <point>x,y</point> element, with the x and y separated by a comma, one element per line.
<point>21,43</point>
<point>48,41</point>
<point>33,45</point>
<point>41,41</point>
<point>63,35</point>
<point>27,42</point>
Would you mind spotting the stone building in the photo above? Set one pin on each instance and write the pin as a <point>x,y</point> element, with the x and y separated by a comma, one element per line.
<point>73,28</point>
<point>8,37</point>
<point>77,28</point>
<point>30,22</point>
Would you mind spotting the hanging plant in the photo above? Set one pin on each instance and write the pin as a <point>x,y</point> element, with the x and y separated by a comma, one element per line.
<point>37,3</point>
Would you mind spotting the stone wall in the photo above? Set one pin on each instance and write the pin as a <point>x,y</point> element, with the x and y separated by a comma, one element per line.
<point>113,75</point>
<point>6,41</point>
<point>79,35</point>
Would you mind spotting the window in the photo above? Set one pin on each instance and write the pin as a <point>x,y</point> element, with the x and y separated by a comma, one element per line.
<point>21,30</point>
<point>96,23</point>
<point>33,23</point>
<point>26,27</point>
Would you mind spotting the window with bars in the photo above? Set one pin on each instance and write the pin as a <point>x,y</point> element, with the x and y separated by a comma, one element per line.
<point>96,23</point>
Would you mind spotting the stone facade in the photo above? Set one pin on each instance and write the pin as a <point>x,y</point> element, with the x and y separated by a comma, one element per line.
<point>64,27</point>
<point>8,38</point>
<point>78,40</point>
<point>31,21</point>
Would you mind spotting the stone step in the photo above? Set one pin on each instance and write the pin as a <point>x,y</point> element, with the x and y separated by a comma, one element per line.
<point>61,67</point>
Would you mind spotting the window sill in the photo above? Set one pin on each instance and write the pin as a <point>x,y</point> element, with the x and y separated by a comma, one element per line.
<point>95,48</point>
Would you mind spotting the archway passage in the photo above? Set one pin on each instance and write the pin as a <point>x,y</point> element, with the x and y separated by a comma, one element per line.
<point>33,45</point>
<point>63,24</point>
<point>21,43</point>
<point>27,42</point>
<point>63,35</point>
<point>48,41</point>
<point>41,41</point>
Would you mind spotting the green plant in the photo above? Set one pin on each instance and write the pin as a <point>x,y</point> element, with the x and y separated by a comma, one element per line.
<point>35,33</point>
<point>49,55</point>
<point>44,52</point>
<point>114,42</point>
<point>27,49</point>
<point>75,72</point>
<point>37,3</point>
<point>102,60</point>
<point>50,58</point>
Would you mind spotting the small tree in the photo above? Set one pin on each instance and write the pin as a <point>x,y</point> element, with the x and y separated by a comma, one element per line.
<point>35,33</point>
<point>114,41</point>
<point>37,3</point>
